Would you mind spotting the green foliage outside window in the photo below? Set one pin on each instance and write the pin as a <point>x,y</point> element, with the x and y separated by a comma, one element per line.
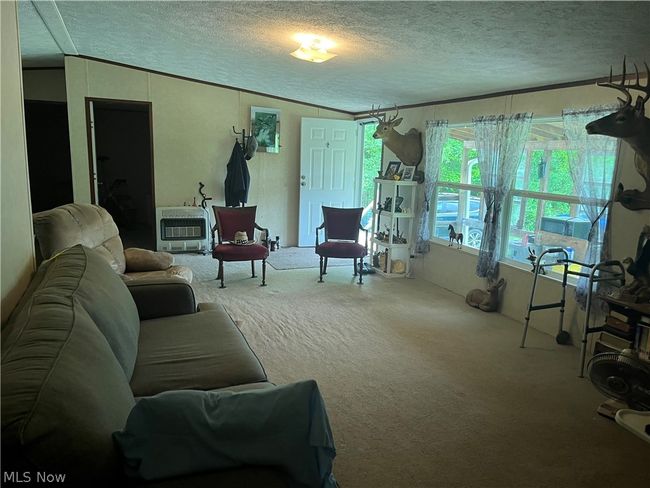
<point>556,171</point>
<point>558,174</point>
<point>452,160</point>
<point>371,163</point>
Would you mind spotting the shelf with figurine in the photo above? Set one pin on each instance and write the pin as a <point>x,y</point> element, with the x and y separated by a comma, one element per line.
<point>393,223</point>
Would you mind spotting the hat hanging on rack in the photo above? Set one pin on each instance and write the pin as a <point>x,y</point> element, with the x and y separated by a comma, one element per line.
<point>251,147</point>
<point>249,143</point>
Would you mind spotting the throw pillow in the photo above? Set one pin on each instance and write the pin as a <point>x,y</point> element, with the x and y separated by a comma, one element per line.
<point>145,260</point>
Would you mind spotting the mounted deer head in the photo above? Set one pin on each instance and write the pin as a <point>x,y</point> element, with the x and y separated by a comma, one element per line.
<point>407,147</point>
<point>630,124</point>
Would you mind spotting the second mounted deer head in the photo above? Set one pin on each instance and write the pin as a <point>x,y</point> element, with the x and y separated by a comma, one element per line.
<point>630,124</point>
<point>407,147</point>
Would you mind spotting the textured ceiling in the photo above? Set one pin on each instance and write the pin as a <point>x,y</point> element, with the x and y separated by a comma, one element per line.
<point>388,52</point>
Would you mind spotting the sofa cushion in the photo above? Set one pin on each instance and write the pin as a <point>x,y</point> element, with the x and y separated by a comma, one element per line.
<point>79,223</point>
<point>201,351</point>
<point>63,390</point>
<point>248,476</point>
<point>107,299</point>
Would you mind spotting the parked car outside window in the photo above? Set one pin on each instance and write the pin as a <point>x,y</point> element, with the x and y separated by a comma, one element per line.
<point>447,213</point>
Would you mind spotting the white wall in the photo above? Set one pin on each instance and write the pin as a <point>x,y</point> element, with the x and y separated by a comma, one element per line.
<point>455,270</point>
<point>17,243</point>
<point>193,139</point>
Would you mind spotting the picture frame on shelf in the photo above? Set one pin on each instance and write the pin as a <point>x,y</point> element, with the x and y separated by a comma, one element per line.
<point>392,169</point>
<point>397,208</point>
<point>407,173</point>
<point>265,127</point>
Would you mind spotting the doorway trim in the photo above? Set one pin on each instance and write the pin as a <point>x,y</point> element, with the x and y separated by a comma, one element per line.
<point>149,106</point>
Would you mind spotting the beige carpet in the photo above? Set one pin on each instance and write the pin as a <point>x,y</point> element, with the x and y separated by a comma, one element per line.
<point>423,391</point>
<point>301,257</point>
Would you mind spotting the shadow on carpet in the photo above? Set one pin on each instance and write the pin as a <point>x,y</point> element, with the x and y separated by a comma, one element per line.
<point>300,258</point>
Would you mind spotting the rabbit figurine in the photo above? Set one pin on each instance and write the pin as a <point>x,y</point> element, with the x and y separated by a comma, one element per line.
<point>486,300</point>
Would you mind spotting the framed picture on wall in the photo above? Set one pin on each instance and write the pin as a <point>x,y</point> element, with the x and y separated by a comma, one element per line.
<point>265,126</point>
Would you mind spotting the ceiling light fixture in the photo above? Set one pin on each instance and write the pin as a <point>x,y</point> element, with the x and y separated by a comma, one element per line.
<point>313,48</point>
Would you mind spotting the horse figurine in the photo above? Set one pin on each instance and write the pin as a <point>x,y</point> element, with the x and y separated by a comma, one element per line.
<point>532,257</point>
<point>453,236</point>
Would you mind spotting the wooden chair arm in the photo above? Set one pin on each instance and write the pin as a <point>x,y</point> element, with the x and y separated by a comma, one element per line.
<point>215,229</point>
<point>366,231</point>
<point>266,233</point>
<point>321,226</point>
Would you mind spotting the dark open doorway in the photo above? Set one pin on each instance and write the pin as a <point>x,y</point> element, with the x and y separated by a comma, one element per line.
<point>121,163</point>
<point>48,154</point>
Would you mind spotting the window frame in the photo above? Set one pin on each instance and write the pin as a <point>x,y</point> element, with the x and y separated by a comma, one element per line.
<point>506,213</point>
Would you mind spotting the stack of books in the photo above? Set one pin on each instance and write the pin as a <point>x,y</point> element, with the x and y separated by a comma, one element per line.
<point>627,325</point>
<point>620,323</point>
<point>618,331</point>
<point>643,323</point>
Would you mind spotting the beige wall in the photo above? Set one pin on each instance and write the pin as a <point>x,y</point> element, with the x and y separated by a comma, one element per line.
<point>455,270</point>
<point>17,243</point>
<point>193,139</point>
<point>44,84</point>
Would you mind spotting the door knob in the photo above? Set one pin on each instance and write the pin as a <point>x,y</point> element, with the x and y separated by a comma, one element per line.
<point>302,177</point>
<point>302,183</point>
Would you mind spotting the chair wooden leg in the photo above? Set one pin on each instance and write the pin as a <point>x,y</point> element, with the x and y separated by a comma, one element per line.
<point>263,272</point>
<point>355,266</point>
<point>253,269</point>
<point>220,275</point>
<point>325,267</point>
<point>361,271</point>
<point>320,278</point>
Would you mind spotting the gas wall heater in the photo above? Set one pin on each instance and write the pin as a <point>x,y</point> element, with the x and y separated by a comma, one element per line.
<point>182,229</point>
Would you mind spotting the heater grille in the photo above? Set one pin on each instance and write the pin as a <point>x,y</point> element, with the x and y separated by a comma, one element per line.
<point>182,229</point>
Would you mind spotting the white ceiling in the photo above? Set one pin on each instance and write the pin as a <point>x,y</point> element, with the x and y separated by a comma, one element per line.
<point>388,52</point>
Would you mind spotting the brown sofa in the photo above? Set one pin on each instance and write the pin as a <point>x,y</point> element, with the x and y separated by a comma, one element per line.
<point>79,349</point>
<point>92,226</point>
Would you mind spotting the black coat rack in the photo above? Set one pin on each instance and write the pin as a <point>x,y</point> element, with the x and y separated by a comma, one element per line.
<point>243,135</point>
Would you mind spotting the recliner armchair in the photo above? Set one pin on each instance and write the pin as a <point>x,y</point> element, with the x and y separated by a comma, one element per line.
<point>93,227</point>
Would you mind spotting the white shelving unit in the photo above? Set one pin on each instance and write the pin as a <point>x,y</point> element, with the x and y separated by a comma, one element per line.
<point>393,224</point>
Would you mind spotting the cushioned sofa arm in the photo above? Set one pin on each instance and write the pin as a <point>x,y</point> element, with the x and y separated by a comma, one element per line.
<point>162,297</point>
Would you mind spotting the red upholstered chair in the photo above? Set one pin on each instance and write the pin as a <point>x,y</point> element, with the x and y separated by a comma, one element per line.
<point>341,227</point>
<point>229,221</point>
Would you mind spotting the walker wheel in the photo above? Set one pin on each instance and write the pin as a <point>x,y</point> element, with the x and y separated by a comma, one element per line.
<point>563,338</point>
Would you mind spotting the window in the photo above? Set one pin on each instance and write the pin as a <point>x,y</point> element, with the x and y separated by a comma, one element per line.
<point>459,196</point>
<point>542,211</point>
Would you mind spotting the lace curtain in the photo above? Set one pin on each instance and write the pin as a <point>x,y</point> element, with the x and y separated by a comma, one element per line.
<point>500,142</point>
<point>592,159</point>
<point>436,135</point>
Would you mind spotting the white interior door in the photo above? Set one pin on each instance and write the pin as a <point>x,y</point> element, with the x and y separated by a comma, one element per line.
<point>328,171</point>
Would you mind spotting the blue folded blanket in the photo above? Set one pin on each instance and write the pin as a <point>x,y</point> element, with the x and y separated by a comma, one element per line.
<point>188,431</point>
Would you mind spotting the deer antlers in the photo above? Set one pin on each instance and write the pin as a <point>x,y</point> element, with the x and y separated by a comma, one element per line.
<point>375,113</point>
<point>622,87</point>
